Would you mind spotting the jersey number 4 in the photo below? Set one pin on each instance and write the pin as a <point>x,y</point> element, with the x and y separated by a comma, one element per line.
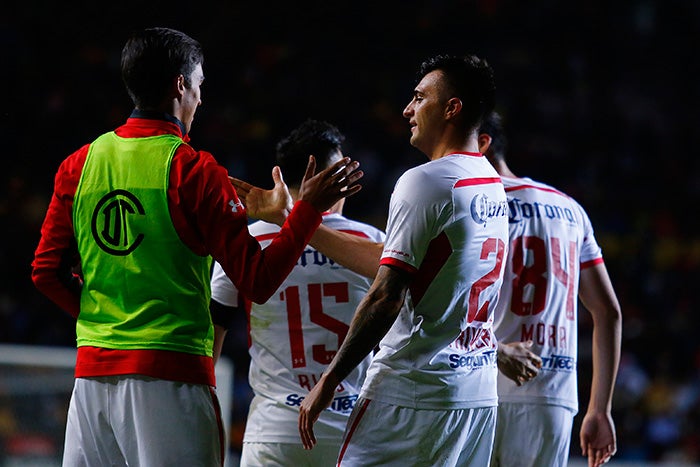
<point>316,292</point>
<point>535,275</point>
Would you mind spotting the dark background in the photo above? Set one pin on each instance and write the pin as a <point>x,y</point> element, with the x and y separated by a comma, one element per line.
<point>600,99</point>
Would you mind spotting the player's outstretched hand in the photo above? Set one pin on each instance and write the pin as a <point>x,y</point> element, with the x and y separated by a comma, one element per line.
<point>318,399</point>
<point>598,438</point>
<point>331,185</point>
<point>517,362</point>
<point>267,205</point>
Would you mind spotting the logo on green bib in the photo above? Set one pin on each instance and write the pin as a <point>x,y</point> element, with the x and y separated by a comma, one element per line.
<point>110,224</point>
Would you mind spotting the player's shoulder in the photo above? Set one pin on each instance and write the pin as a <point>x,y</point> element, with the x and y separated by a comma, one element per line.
<point>426,178</point>
<point>513,184</point>
<point>528,188</point>
<point>339,222</point>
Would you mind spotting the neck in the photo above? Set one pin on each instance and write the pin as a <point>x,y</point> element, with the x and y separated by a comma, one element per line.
<point>158,115</point>
<point>446,148</point>
<point>501,167</point>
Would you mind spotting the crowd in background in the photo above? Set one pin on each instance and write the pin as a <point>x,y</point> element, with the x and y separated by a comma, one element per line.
<point>600,99</point>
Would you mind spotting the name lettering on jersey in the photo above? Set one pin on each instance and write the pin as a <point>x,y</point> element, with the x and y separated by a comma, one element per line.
<point>473,339</point>
<point>343,404</point>
<point>308,381</point>
<point>519,211</point>
<point>542,334</point>
<point>312,257</point>
<point>559,363</point>
<point>485,359</point>
<point>482,208</point>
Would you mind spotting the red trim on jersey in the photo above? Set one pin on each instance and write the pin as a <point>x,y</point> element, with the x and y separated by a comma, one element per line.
<point>477,181</point>
<point>270,236</point>
<point>356,233</point>
<point>389,261</point>
<point>439,250</point>
<point>467,153</point>
<point>591,263</point>
<point>533,187</point>
<point>351,430</point>
<point>161,364</point>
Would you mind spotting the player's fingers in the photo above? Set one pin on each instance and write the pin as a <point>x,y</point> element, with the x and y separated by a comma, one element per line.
<point>306,430</point>
<point>302,429</point>
<point>601,456</point>
<point>277,177</point>
<point>354,176</point>
<point>242,188</point>
<point>350,191</point>
<point>310,168</point>
<point>347,174</point>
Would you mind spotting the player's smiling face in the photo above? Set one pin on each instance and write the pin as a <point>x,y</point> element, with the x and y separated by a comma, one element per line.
<point>425,112</point>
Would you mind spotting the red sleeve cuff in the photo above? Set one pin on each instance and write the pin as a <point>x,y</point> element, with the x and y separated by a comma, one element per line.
<point>398,264</point>
<point>305,218</point>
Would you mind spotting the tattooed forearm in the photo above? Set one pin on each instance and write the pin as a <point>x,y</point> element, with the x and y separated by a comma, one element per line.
<point>373,319</point>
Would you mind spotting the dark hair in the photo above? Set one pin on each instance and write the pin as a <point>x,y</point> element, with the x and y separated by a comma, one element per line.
<point>313,137</point>
<point>152,58</point>
<point>468,78</point>
<point>493,126</point>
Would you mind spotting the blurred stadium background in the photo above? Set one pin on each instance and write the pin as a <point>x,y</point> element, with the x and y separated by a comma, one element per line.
<point>600,99</point>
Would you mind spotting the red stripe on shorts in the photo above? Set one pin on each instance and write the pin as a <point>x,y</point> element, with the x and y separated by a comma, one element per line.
<point>220,423</point>
<point>355,422</point>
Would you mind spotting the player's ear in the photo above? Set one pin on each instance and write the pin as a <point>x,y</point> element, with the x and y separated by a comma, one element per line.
<point>453,107</point>
<point>484,142</point>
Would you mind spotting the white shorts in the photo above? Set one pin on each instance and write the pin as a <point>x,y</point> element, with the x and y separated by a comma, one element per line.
<point>139,421</point>
<point>389,435</point>
<point>532,435</point>
<point>288,454</point>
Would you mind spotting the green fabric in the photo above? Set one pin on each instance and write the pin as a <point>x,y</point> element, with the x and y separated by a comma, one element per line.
<point>144,288</point>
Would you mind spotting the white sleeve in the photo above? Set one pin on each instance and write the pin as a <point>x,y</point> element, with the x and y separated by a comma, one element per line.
<point>417,212</point>
<point>222,289</point>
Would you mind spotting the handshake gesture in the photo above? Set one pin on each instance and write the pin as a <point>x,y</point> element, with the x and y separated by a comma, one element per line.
<point>322,190</point>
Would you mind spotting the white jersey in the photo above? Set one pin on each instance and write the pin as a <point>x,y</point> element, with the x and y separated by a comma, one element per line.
<point>447,226</point>
<point>294,336</point>
<point>551,240</point>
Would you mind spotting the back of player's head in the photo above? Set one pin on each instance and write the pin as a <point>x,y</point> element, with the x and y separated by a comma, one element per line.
<point>493,126</point>
<point>313,137</point>
<point>152,58</point>
<point>468,78</point>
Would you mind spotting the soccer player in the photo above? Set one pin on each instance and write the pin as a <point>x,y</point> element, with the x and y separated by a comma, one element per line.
<point>296,333</point>
<point>430,393</point>
<point>125,249</point>
<point>553,259</point>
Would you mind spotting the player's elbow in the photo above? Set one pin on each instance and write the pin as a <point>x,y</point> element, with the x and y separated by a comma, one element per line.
<point>42,279</point>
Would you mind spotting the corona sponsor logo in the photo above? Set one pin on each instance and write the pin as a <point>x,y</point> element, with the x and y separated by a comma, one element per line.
<point>110,222</point>
<point>519,211</point>
<point>482,208</point>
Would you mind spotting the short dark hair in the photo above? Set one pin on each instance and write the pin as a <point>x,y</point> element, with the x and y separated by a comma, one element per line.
<point>493,126</point>
<point>152,58</point>
<point>468,78</point>
<point>313,137</point>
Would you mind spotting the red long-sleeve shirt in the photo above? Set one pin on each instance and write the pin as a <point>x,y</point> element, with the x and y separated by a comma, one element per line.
<point>210,220</point>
